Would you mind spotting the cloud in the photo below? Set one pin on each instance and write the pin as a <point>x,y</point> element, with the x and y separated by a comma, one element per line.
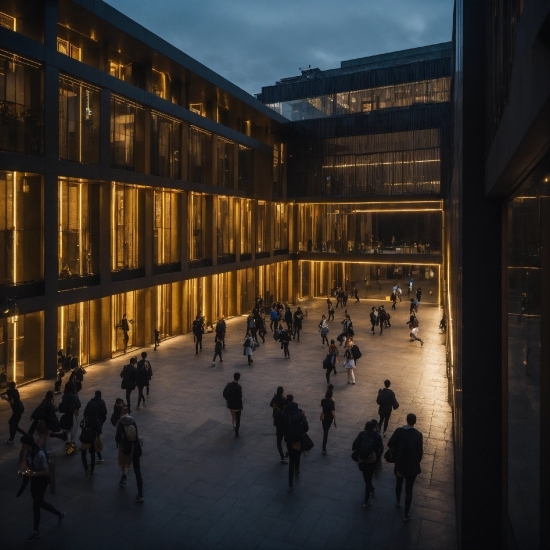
<point>256,43</point>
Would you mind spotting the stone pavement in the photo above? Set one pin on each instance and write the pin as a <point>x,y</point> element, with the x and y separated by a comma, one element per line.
<point>205,489</point>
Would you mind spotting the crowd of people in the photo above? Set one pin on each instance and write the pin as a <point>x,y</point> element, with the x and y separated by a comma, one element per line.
<point>70,421</point>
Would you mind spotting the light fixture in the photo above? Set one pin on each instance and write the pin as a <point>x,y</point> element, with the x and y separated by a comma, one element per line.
<point>25,185</point>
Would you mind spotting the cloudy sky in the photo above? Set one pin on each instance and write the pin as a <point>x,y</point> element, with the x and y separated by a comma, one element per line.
<point>254,43</point>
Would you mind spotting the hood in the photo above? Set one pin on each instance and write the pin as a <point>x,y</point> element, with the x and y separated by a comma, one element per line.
<point>126,420</point>
<point>292,408</point>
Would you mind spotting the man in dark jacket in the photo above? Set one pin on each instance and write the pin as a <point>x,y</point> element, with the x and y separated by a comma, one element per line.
<point>129,450</point>
<point>143,375</point>
<point>387,402</point>
<point>198,331</point>
<point>128,383</point>
<point>407,445</point>
<point>233,394</point>
<point>12,397</point>
<point>278,404</point>
<point>96,411</point>
<point>369,447</point>
<point>294,423</point>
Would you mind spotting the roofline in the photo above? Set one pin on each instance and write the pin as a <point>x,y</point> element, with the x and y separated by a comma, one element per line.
<point>127,25</point>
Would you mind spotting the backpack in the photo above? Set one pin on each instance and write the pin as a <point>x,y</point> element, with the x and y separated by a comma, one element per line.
<point>383,399</point>
<point>130,433</point>
<point>356,352</point>
<point>38,413</point>
<point>327,361</point>
<point>366,448</point>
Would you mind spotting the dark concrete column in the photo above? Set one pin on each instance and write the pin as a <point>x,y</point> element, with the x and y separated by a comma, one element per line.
<point>105,129</point>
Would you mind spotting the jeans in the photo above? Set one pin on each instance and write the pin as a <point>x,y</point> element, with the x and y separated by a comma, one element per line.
<point>14,425</point>
<point>384,419</point>
<point>141,397</point>
<point>329,370</point>
<point>409,482</point>
<point>92,452</point>
<point>217,355</point>
<point>279,434</point>
<point>368,470</point>
<point>293,462</point>
<point>137,470</point>
<point>285,348</point>
<point>326,427</point>
<point>38,490</point>
<point>198,342</point>
<point>236,416</point>
<point>128,394</point>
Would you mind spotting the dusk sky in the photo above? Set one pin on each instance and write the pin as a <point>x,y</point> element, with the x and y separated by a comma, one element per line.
<point>255,43</point>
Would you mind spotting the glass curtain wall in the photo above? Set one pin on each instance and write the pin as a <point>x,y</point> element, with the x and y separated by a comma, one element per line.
<point>78,121</point>
<point>165,146</point>
<point>225,228</point>
<point>167,227</point>
<point>246,240</point>
<point>125,227</point>
<point>435,90</point>
<point>21,105</point>
<point>20,227</point>
<point>246,169</point>
<point>198,249</point>
<point>278,170</point>
<point>199,155</point>
<point>262,246</point>
<point>127,135</point>
<point>124,304</point>
<point>78,219</point>
<point>280,226</point>
<point>226,163</point>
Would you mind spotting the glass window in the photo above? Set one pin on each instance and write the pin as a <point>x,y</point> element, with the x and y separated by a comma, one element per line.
<point>246,226</point>
<point>199,157</point>
<point>21,105</point>
<point>78,121</point>
<point>278,169</point>
<point>158,84</point>
<point>261,227</point>
<point>167,228</point>
<point>225,226</point>
<point>125,227</point>
<point>226,163</point>
<point>124,316</point>
<point>127,135</point>
<point>246,169</point>
<point>20,227</point>
<point>165,146</point>
<point>197,227</point>
<point>66,48</point>
<point>78,228</point>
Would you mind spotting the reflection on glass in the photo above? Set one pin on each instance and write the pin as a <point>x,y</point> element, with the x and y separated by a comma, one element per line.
<point>226,162</point>
<point>280,225</point>
<point>261,227</point>
<point>246,169</point>
<point>199,144</point>
<point>78,228</point>
<point>246,226</point>
<point>21,105</point>
<point>127,135</point>
<point>197,226</point>
<point>167,240</point>
<point>20,227</point>
<point>165,146</point>
<point>124,234</point>
<point>225,226</point>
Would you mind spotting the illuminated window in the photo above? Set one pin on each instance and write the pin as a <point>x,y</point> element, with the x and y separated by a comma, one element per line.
<point>197,108</point>
<point>158,85</point>
<point>199,155</point>
<point>8,22</point>
<point>127,135</point>
<point>165,146</point>
<point>66,48</point>
<point>125,227</point>
<point>226,163</point>
<point>167,228</point>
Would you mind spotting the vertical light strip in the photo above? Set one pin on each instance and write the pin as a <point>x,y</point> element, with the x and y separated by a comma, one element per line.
<point>80,327</point>
<point>114,228</point>
<point>162,212</point>
<point>14,378</point>
<point>60,244</point>
<point>14,183</point>
<point>62,329</point>
<point>80,256</point>
<point>80,124</point>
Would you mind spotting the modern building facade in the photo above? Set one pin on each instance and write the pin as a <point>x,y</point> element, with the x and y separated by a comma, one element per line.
<point>135,181</point>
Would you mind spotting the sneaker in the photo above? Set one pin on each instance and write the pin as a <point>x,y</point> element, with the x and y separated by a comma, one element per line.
<point>60,518</point>
<point>122,481</point>
<point>9,441</point>
<point>290,488</point>
<point>353,383</point>
<point>406,517</point>
<point>139,498</point>
<point>34,535</point>
<point>366,504</point>
<point>283,461</point>
<point>100,460</point>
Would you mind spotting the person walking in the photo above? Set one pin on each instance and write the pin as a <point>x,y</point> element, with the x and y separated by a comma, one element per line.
<point>88,435</point>
<point>298,319</point>
<point>323,329</point>
<point>70,408</point>
<point>373,318</point>
<point>128,383</point>
<point>399,291</point>
<point>288,319</point>
<point>125,326</point>
<point>413,327</point>
<point>221,328</point>
<point>393,298</point>
<point>285,340</point>
<point>274,317</point>
<point>407,446</point>
<point>355,294</point>
<point>382,317</point>
<point>129,451</point>
<point>350,365</point>
<point>328,416</point>
<point>217,351</point>
<point>11,395</point>
<point>233,395</point>
<point>278,404</point>
<point>295,425</point>
<point>248,348</point>
<point>144,364</point>
<point>368,449</point>
<point>34,465</point>
<point>331,312</point>
<point>198,331</point>
<point>418,294</point>
<point>332,360</point>
<point>386,404</point>
<point>96,409</point>
<point>143,369</point>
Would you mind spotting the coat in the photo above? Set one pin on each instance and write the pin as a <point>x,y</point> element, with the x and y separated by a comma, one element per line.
<point>128,376</point>
<point>408,446</point>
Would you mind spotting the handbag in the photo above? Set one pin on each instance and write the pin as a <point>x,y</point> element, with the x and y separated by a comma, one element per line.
<point>99,445</point>
<point>389,456</point>
<point>305,443</point>
<point>355,456</point>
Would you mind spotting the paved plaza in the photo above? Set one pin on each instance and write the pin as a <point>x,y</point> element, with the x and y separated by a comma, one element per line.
<point>205,489</point>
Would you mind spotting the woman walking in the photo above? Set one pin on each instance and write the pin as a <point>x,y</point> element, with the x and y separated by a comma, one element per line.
<point>248,347</point>
<point>17,409</point>
<point>278,404</point>
<point>298,318</point>
<point>350,365</point>
<point>323,329</point>
<point>368,447</point>
<point>333,354</point>
<point>70,407</point>
<point>328,416</point>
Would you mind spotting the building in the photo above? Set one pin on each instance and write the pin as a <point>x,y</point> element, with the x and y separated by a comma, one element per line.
<point>135,181</point>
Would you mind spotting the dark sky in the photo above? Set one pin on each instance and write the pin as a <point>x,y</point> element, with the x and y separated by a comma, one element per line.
<point>253,43</point>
